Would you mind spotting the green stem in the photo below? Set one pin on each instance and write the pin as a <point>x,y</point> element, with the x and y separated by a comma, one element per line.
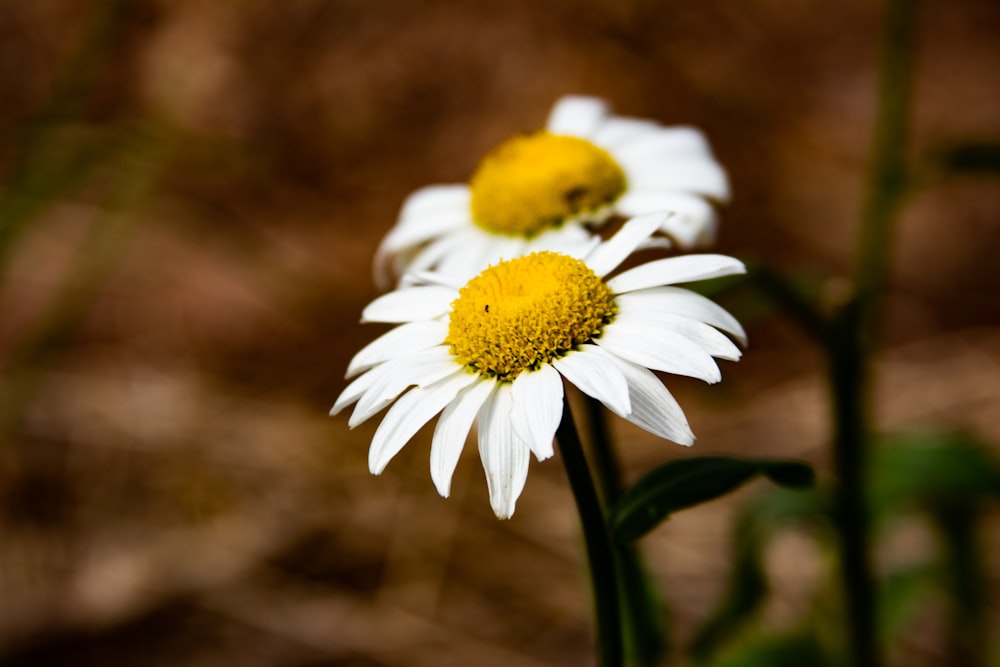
<point>607,470</point>
<point>599,551</point>
<point>888,176</point>
<point>849,389</point>
<point>852,332</point>
<point>966,577</point>
<point>641,609</point>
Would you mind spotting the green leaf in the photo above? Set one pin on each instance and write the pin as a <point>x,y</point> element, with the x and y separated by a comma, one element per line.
<point>684,483</point>
<point>791,474</point>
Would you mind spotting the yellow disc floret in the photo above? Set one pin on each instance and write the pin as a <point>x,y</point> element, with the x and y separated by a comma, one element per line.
<point>525,312</point>
<point>535,181</point>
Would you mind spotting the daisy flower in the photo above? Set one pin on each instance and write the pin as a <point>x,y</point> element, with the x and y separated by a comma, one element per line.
<point>496,350</point>
<point>544,190</point>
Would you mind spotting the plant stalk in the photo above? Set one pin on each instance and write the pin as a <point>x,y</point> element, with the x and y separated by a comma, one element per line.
<point>599,550</point>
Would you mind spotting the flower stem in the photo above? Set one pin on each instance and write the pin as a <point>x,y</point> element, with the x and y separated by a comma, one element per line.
<point>599,551</point>
<point>642,611</point>
<point>853,330</point>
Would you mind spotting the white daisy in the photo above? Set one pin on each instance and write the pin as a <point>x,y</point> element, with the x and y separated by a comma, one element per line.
<point>493,351</point>
<point>541,191</point>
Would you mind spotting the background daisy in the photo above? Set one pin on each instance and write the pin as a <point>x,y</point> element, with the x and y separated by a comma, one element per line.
<point>541,190</point>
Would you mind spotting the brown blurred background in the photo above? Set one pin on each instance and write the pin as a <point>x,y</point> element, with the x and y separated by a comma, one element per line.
<point>197,189</point>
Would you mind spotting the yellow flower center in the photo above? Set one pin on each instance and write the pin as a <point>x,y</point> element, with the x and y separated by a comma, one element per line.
<point>525,312</point>
<point>535,181</point>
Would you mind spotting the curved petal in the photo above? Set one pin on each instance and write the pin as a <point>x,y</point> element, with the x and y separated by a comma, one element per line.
<point>589,368</point>
<point>452,430</point>
<point>471,258</point>
<point>422,368</point>
<point>401,341</point>
<point>672,142</point>
<point>710,340</point>
<point>414,409</point>
<point>573,240</point>
<point>409,304</point>
<point>504,455</point>
<point>538,398</point>
<point>617,132</point>
<point>426,223</point>
<point>434,199</point>
<point>606,257</point>
<point>355,390</point>
<point>430,256</point>
<point>652,347</point>
<point>700,176</point>
<point>654,409</point>
<point>693,225</point>
<point>421,278</point>
<point>686,268</point>
<point>427,213</point>
<point>680,301</point>
<point>577,116</point>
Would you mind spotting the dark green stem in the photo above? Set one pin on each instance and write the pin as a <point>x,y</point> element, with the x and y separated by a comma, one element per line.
<point>849,389</point>
<point>966,579</point>
<point>888,175</point>
<point>599,551</point>
<point>853,329</point>
<point>607,470</point>
<point>641,609</point>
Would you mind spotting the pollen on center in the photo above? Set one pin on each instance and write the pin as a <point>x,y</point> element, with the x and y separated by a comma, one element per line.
<point>532,182</point>
<point>525,312</point>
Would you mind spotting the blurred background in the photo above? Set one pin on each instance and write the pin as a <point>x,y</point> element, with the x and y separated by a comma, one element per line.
<point>190,197</point>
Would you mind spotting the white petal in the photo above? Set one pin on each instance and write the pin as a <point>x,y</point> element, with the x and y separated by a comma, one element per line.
<point>538,402</point>
<point>431,255</point>
<point>577,116</point>
<point>570,239</point>
<point>354,390</point>
<point>426,214</point>
<point>435,198</point>
<point>690,232</point>
<point>606,257</point>
<point>469,260</point>
<point>402,341</point>
<point>590,369</point>
<point>616,132</point>
<point>700,176</point>
<point>680,301</point>
<point>710,340</point>
<point>422,368</point>
<point>419,278</point>
<point>686,268</point>
<point>409,304</point>
<point>676,141</point>
<point>451,431</point>
<point>693,225</point>
<point>653,407</point>
<point>504,455</point>
<point>653,347</point>
<point>419,227</point>
<point>414,409</point>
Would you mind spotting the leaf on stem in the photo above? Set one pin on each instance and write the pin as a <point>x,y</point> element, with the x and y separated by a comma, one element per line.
<point>684,483</point>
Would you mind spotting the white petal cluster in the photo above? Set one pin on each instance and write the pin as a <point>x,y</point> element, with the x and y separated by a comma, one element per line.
<point>658,327</point>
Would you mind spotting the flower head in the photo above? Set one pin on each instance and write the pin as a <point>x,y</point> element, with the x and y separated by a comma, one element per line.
<point>544,190</point>
<point>495,351</point>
